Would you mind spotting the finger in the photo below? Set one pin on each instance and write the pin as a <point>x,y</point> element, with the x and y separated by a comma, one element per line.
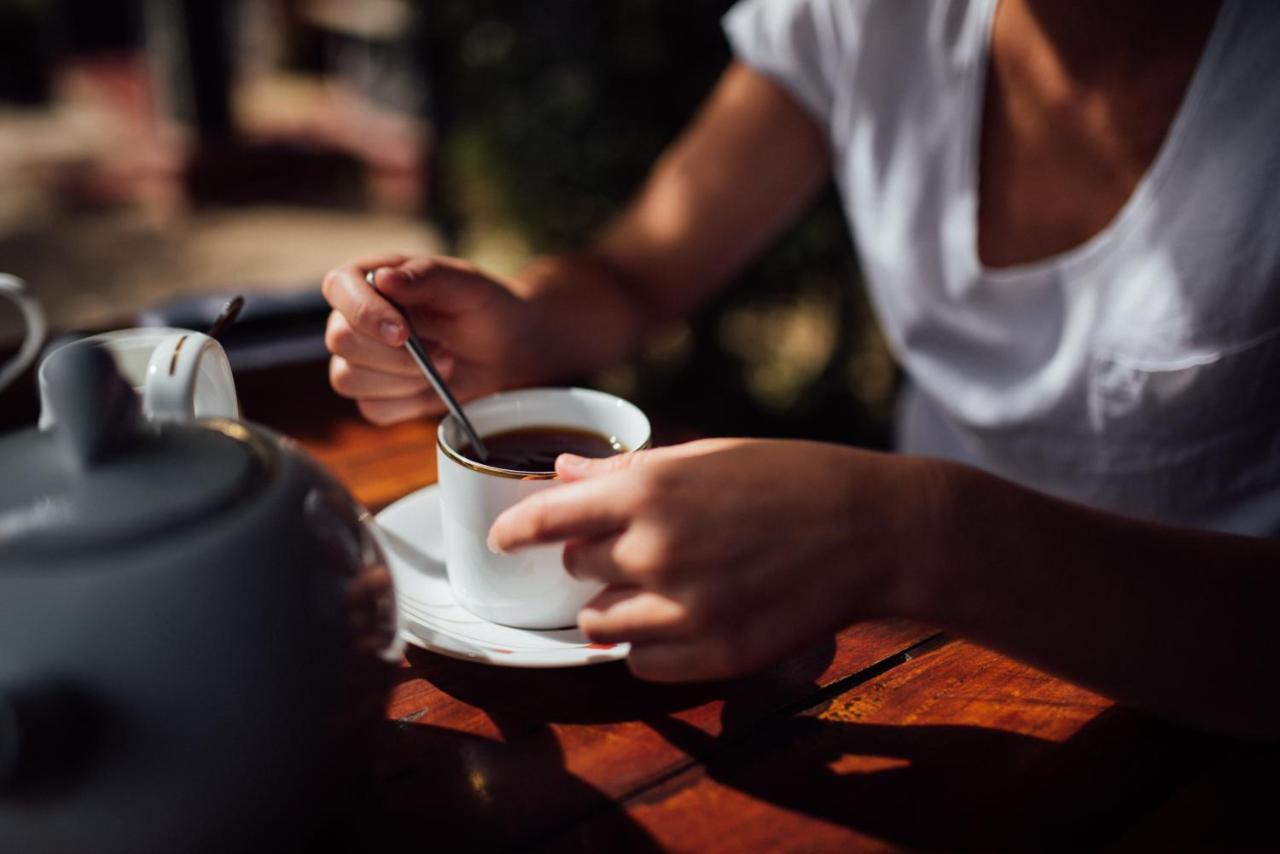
<point>364,308</point>
<point>571,467</point>
<point>594,559</point>
<point>373,262</point>
<point>631,615</point>
<point>590,508</point>
<point>440,285</point>
<point>682,661</point>
<point>386,412</point>
<point>360,383</point>
<point>342,340</point>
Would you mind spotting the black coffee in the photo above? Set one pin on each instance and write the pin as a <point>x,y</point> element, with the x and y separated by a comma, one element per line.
<point>534,449</point>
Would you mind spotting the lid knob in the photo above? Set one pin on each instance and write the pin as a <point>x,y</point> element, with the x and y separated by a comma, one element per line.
<point>96,412</point>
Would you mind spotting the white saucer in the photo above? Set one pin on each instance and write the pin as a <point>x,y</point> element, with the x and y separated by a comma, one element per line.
<point>410,534</point>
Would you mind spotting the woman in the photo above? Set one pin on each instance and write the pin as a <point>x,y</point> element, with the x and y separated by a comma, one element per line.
<point>1062,212</point>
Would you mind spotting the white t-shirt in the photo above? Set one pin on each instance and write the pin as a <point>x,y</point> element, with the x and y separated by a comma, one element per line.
<point>1138,372</point>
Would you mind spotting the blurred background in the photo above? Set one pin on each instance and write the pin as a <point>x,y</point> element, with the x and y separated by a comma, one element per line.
<point>157,156</point>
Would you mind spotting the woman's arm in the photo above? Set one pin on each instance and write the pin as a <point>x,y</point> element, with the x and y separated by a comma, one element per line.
<point>727,554</point>
<point>743,169</point>
<point>747,164</point>
<point>1176,621</point>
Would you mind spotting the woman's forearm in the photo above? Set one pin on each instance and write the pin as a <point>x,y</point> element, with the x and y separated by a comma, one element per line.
<point>712,202</point>
<point>1176,621</point>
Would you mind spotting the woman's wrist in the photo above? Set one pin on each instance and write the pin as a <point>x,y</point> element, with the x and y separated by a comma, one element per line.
<point>892,523</point>
<point>973,519</point>
<point>541,348</point>
<point>580,315</point>
<point>930,530</point>
<point>532,357</point>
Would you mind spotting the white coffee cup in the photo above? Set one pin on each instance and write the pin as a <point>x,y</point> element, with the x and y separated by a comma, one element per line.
<point>180,374</point>
<point>17,290</point>
<point>530,588</point>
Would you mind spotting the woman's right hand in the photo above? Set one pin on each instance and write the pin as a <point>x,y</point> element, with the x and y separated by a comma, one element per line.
<point>475,328</point>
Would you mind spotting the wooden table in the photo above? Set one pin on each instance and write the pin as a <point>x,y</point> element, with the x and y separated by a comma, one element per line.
<point>890,735</point>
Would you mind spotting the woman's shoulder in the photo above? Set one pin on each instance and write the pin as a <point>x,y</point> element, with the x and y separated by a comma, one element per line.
<point>827,52</point>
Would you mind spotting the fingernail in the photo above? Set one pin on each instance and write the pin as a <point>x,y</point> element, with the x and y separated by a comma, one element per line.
<point>392,332</point>
<point>571,461</point>
<point>493,545</point>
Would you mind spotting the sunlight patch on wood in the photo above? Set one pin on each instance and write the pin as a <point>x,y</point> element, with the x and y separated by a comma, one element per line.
<point>853,763</point>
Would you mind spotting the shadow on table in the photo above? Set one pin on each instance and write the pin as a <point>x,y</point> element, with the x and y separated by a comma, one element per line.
<point>519,701</point>
<point>447,790</point>
<point>959,787</point>
<point>462,791</point>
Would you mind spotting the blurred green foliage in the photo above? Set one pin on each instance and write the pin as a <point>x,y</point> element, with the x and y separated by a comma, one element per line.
<point>552,114</point>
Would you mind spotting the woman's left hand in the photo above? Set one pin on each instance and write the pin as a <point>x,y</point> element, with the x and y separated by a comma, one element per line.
<point>724,555</point>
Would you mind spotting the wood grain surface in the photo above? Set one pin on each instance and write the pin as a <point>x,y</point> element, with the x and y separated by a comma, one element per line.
<point>889,736</point>
<point>957,747</point>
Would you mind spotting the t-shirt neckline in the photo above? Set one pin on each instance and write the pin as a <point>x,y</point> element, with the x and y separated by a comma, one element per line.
<point>1082,254</point>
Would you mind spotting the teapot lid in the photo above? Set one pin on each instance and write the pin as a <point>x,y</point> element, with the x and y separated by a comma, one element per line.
<point>105,477</point>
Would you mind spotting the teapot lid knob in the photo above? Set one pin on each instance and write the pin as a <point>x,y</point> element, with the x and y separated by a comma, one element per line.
<point>106,476</point>
<point>96,412</point>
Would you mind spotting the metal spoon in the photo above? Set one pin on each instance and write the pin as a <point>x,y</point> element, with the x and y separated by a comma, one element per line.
<point>419,353</point>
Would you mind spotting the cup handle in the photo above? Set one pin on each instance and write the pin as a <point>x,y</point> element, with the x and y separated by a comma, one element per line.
<point>17,290</point>
<point>188,376</point>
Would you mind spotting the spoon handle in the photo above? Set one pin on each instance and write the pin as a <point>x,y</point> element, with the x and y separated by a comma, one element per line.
<point>226,317</point>
<point>419,353</point>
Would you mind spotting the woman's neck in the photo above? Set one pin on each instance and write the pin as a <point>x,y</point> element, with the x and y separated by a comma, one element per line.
<point>1097,39</point>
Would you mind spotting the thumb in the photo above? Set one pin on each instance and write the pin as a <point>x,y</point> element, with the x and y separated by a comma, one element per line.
<point>571,467</point>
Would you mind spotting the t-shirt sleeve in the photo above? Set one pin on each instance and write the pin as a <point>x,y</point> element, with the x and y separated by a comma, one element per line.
<point>791,42</point>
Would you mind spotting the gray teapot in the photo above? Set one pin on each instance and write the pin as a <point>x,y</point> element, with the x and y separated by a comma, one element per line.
<point>196,630</point>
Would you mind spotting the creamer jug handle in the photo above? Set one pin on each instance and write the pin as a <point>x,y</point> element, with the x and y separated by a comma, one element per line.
<point>18,291</point>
